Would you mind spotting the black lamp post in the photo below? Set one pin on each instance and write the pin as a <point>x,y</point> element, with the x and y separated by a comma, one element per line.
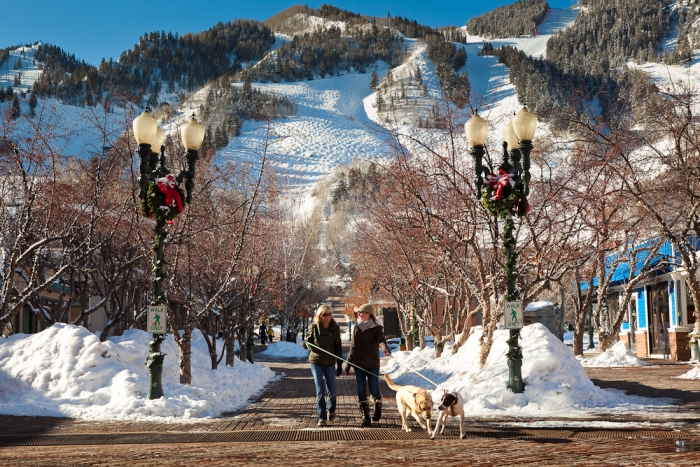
<point>504,194</point>
<point>162,198</point>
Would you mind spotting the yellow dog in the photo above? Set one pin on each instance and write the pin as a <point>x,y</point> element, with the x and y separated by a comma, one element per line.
<point>412,400</point>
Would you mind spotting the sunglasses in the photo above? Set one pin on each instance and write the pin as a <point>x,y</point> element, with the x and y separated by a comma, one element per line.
<point>326,314</point>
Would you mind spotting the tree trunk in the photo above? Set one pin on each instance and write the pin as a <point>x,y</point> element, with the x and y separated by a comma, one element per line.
<point>605,341</point>
<point>185,345</point>
<point>229,353</point>
<point>487,340</point>
<point>579,333</point>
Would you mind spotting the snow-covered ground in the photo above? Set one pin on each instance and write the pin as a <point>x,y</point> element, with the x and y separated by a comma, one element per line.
<point>74,131</point>
<point>555,382</point>
<point>692,374</point>
<point>330,129</point>
<point>65,371</point>
<point>536,46</point>
<point>285,350</point>
<point>21,77</point>
<point>616,356</point>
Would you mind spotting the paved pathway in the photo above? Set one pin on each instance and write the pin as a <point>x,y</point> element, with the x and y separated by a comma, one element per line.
<point>279,428</point>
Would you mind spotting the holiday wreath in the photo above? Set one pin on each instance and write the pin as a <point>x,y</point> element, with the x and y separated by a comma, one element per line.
<point>163,198</point>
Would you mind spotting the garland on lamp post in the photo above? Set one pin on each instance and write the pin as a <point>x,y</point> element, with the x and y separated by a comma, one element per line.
<point>162,199</point>
<point>504,195</point>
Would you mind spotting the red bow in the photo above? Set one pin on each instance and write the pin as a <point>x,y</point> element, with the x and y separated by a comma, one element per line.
<point>498,184</point>
<point>167,186</point>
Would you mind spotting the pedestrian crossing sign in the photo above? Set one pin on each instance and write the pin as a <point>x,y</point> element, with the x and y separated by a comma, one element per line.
<point>513,315</point>
<point>157,316</point>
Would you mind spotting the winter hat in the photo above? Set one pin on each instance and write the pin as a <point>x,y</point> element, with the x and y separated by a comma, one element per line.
<point>366,308</point>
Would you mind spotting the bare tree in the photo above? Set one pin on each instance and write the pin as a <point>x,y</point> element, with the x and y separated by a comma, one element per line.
<point>48,220</point>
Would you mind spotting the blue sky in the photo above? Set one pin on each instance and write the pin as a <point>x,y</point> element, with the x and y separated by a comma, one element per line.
<point>93,30</point>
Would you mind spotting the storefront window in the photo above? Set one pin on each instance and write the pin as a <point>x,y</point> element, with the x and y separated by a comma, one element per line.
<point>658,307</point>
<point>690,306</point>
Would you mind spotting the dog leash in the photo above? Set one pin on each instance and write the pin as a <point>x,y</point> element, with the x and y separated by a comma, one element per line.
<point>334,355</point>
<point>355,366</point>
<point>416,372</point>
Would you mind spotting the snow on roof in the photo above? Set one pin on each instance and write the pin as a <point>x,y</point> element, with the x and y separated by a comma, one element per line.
<point>537,305</point>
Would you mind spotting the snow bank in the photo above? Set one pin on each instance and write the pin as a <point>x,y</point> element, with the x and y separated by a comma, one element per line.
<point>555,382</point>
<point>65,371</point>
<point>285,349</point>
<point>692,374</point>
<point>617,355</point>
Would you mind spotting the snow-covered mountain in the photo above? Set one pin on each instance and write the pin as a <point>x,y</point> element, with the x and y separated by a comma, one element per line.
<point>337,119</point>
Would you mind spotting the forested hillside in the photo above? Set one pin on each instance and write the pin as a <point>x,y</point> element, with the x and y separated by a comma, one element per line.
<point>227,105</point>
<point>327,52</point>
<point>511,20</point>
<point>318,48</point>
<point>324,42</point>
<point>588,60</point>
<point>159,61</point>
<point>607,34</point>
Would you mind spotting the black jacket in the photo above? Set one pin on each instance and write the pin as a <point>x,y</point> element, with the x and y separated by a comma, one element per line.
<point>327,339</point>
<point>365,345</point>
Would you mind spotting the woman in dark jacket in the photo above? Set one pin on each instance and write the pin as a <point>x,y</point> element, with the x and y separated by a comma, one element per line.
<point>367,339</point>
<point>324,333</point>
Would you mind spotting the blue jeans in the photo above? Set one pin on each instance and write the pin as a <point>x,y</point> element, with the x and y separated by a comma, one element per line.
<point>319,373</point>
<point>370,376</point>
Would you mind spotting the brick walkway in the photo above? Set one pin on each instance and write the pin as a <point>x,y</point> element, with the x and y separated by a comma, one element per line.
<point>287,407</point>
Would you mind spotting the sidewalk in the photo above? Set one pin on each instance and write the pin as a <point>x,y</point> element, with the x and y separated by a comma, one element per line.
<point>280,429</point>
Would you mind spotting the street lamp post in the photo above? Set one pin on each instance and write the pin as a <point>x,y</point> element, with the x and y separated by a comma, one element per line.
<point>504,194</point>
<point>161,198</point>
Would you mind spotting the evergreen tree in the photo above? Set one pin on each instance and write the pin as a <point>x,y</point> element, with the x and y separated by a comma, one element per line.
<point>380,101</point>
<point>374,80</point>
<point>32,104</point>
<point>247,88</point>
<point>220,139</point>
<point>15,106</point>
<point>341,191</point>
<point>372,178</point>
<point>208,139</point>
<point>236,126</point>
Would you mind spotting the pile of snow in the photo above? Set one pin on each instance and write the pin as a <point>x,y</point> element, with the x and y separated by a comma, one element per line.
<point>65,371</point>
<point>285,349</point>
<point>692,374</point>
<point>617,355</point>
<point>555,382</point>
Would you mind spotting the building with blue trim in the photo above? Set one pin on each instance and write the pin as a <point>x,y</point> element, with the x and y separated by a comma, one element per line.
<point>660,314</point>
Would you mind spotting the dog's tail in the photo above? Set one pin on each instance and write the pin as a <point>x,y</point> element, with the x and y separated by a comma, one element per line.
<point>390,383</point>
